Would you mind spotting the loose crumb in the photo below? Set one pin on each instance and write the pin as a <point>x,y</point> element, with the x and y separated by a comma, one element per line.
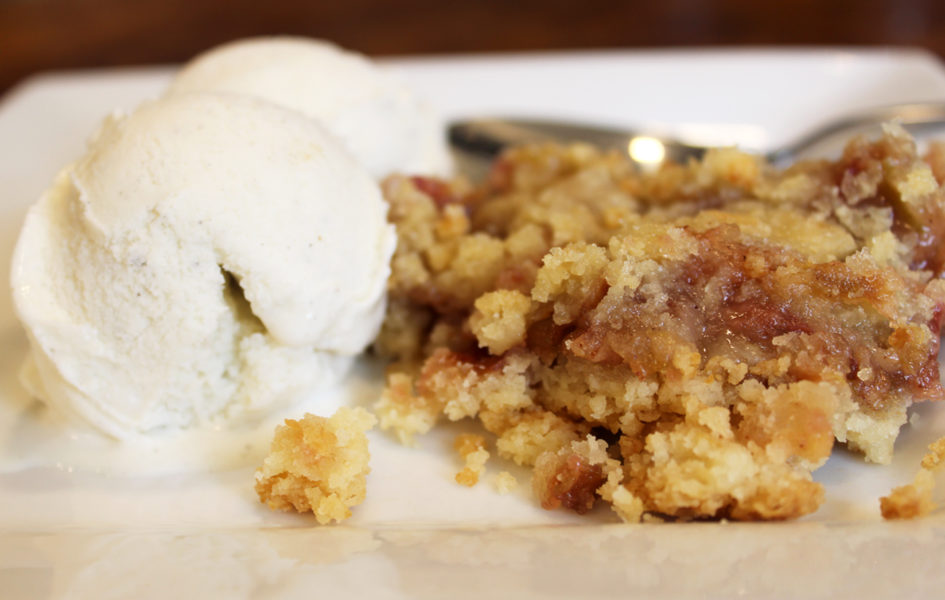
<point>318,464</point>
<point>910,501</point>
<point>505,482</point>
<point>472,448</point>
<point>914,499</point>
<point>935,457</point>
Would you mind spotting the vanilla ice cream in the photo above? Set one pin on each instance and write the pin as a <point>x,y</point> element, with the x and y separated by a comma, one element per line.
<point>210,256</point>
<point>372,113</point>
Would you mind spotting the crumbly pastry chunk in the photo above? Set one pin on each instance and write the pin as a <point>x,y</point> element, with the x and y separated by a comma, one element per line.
<point>318,464</point>
<point>910,501</point>
<point>914,499</point>
<point>689,343</point>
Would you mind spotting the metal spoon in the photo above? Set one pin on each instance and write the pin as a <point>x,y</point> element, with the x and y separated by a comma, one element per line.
<point>480,140</point>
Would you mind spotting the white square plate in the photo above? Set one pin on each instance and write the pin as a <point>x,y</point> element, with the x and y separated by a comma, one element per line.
<point>68,533</point>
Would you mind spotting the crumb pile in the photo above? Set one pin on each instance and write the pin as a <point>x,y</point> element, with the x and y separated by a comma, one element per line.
<point>689,343</point>
<point>318,464</point>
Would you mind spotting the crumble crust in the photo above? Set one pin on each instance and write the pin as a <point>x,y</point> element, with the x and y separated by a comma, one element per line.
<point>689,343</point>
<point>318,464</point>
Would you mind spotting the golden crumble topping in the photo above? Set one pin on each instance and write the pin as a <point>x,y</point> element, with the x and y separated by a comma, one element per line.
<point>689,343</point>
<point>318,464</point>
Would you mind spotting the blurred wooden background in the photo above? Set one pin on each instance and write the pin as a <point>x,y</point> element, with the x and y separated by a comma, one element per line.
<point>38,35</point>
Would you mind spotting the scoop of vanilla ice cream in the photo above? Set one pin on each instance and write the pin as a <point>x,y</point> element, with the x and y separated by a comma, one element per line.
<point>211,255</point>
<point>372,113</point>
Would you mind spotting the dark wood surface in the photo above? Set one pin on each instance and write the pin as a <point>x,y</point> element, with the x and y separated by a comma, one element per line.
<point>37,35</point>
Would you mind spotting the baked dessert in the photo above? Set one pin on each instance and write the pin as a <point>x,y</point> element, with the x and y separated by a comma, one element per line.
<point>686,344</point>
<point>318,464</point>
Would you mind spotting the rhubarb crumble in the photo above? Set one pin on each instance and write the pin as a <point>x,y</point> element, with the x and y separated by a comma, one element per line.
<point>685,344</point>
